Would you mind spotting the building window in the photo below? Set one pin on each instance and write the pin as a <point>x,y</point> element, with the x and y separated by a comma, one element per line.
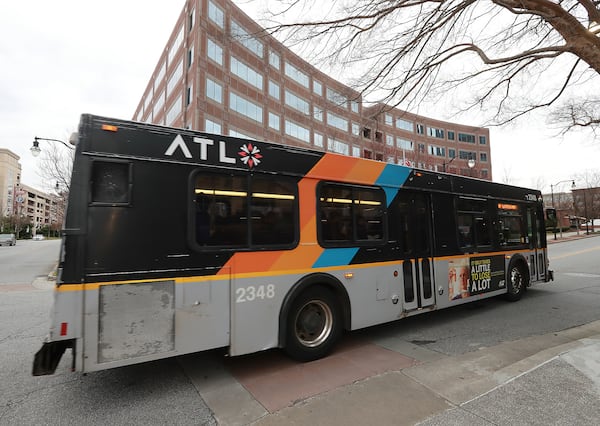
<point>296,102</point>
<point>274,90</point>
<point>405,144</point>
<point>214,91</point>
<point>356,151</point>
<point>191,20</point>
<point>215,14</point>
<point>317,113</point>
<point>355,129</point>
<point>174,111</point>
<point>190,56</point>
<point>421,148</point>
<point>336,98</point>
<point>466,155</point>
<point>389,120</point>
<point>317,88</point>
<point>465,137</point>
<point>404,124</point>
<point>175,46</point>
<point>450,135</point>
<point>389,140</point>
<point>435,132</point>
<point>354,106</point>
<point>245,107</point>
<point>160,75</point>
<point>451,153</point>
<point>236,134</point>
<point>337,121</point>
<point>482,156</point>
<point>274,121</point>
<point>212,126</point>
<point>438,151</point>
<point>188,96</point>
<point>215,52</point>
<point>420,129</point>
<point>296,75</point>
<point>158,105</point>
<point>337,146</point>
<point>274,59</point>
<point>174,79</point>
<point>246,40</point>
<point>246,73</point>
<point>297,131</point>
<point>318,139</point>
<point>482,140</point>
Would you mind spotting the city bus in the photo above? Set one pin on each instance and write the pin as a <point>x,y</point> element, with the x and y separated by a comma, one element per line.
<point>177,241</point>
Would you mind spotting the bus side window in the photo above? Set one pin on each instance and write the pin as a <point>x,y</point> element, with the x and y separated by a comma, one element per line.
<point>473,223</point>
<point>351,214</point>
<point>512,230</point>
<point>273,205</point>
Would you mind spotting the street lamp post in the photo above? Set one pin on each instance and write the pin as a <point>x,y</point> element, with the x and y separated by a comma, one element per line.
<point>552,197</point>
<point>35,149</point>
<point>471,164</point>
<point>444,164</point>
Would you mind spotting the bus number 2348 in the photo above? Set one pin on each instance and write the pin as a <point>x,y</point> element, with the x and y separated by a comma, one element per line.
<point>250,293</point>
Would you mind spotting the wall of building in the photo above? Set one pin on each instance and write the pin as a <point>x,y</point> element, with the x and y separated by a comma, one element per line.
<point>10,177</point>
<point>220,73</point>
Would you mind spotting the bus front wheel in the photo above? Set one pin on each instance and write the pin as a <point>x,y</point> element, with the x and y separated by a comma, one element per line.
<point>313,324</point>
<point>516,282</point>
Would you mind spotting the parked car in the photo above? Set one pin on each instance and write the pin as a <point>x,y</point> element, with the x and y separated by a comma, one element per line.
<point>38,237</point>
<point>8,240</point>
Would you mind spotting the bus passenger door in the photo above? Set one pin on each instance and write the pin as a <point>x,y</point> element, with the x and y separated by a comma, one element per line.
<point>411,221</point>
<point>537,259</point>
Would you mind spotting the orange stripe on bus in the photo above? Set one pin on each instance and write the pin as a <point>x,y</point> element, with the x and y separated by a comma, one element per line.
<point>333,167</point>
<point>252,261</point>
<point>366,172</point>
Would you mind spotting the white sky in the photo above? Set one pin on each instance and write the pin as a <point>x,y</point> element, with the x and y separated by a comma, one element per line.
<point>59,59</point>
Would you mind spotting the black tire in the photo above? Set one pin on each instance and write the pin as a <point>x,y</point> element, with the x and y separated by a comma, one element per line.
<point>516,281</point>
<point>313,325</point>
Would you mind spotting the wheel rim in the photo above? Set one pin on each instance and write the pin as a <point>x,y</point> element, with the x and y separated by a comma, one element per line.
<point>516,280</point>
<point>314,323</point>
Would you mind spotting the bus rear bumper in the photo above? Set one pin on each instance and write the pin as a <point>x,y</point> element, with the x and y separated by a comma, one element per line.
<point>47,358</point>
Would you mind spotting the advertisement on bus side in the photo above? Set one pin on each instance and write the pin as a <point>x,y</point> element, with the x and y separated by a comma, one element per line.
<point>469,276</point>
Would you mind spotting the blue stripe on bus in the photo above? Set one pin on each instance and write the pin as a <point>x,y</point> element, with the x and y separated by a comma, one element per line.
<point>335,257</point>
<point>391,178</point>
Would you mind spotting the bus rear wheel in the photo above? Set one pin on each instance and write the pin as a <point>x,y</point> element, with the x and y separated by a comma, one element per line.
<point>516,282</point>
<point>313,325</point>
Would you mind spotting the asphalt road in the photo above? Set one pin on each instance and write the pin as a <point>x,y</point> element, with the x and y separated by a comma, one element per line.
<point>28,259</point>
<point>161,392</point>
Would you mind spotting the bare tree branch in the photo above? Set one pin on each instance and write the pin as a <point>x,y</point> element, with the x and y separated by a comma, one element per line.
<point>515,56</point>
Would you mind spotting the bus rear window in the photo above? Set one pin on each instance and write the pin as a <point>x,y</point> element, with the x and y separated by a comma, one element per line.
<point>238,211</point>
<point>111,183</point>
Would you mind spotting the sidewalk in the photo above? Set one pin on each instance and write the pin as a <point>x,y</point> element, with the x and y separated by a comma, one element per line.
<point>548,379</point>
<point>569,236</point>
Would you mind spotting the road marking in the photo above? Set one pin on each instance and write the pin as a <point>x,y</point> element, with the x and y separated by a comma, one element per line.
<point>575,253</point>
<point>581,275</point>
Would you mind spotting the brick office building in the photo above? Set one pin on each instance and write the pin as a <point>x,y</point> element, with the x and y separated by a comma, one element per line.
<point>219,74</point>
